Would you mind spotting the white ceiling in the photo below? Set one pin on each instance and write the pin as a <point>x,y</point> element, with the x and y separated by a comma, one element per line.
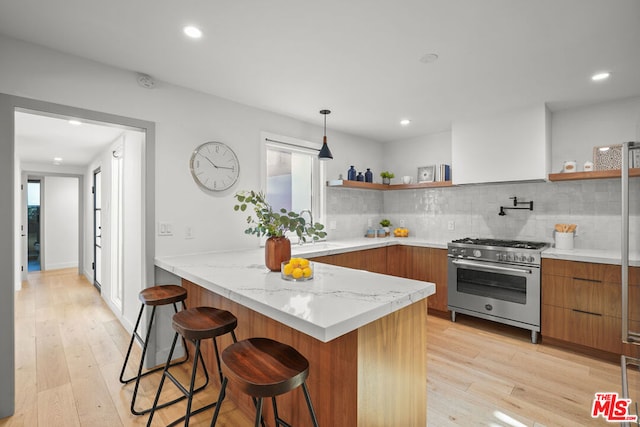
<point>39,139</point>
<point>359,58</point>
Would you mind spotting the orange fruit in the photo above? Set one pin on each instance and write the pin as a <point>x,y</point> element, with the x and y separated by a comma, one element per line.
<point>297,273</point>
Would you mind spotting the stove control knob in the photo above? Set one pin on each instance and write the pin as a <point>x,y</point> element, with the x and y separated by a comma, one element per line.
<point>508,257</point>
<point>531,258</point>
<point>518,257</point>
<point>463,251</point>
<point>477,253</point>
<point>454,250</point>
<point>499,256</point>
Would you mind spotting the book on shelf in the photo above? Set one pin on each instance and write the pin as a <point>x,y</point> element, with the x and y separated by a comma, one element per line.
<point>634,157</point>
<point>444,173</point>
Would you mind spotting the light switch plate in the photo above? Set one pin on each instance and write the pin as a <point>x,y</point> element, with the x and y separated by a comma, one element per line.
<point>165,229</point>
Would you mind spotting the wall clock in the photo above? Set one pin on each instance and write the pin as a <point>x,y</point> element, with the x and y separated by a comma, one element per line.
<point>214,166</point>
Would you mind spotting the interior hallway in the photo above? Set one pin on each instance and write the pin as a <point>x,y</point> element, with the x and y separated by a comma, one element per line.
<point>69,350</point>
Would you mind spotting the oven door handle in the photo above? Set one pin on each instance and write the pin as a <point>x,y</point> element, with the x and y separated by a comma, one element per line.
<point>490,267</point>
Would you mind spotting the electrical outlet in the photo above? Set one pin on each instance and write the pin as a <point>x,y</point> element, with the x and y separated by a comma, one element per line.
<point>401,222</point>
<point>369,222</point>
<point>333,225</point>
<point>188,232</point>
<point>165,229</point>
<point>451,225</point>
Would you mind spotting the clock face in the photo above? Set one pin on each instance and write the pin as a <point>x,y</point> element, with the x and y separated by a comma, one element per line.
<point>214,166</point>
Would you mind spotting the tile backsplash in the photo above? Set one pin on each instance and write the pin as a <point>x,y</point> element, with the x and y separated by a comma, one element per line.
<point>594,205</point>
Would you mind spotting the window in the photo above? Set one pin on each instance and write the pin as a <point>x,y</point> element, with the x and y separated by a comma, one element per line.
<point>293,175</point>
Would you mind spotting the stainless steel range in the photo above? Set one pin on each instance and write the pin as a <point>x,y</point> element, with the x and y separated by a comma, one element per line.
<point>497,280</point>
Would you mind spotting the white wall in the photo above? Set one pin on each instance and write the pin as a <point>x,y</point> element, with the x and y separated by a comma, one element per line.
<point>60,217</point>
<point>403,157</point>
<point>184,119</point>
<point>576,131</point>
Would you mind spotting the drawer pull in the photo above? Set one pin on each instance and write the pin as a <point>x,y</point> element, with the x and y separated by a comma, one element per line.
<point>587,280</point>
<point>586,312</point>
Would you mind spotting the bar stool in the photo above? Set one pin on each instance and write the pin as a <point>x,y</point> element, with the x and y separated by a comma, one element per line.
<point>262,367</point>
<point>195,324</point>
<point>154,296</point>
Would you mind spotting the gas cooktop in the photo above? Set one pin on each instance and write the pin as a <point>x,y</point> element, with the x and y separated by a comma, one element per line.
<point>517,244</point>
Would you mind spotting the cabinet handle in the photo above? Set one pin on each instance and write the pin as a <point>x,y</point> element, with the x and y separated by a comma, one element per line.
<point>586,312</point>
<point>587,280</point>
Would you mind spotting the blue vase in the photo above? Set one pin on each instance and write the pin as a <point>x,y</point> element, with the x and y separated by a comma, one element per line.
<point>360,177</point>
<point>351,174</point>
<point>368,176</point>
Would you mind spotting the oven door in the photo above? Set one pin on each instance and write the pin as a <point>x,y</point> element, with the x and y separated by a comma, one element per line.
<point>510,292</point>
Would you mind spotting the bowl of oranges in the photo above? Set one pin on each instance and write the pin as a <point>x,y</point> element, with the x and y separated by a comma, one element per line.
<point>297,270</point>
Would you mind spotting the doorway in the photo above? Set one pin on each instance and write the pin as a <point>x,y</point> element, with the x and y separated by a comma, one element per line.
<point>34,232</point>
<point>97,229</point>
<point>12,225</point>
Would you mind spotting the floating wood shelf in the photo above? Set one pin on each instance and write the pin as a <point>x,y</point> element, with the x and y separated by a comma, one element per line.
<point>376,186</point>
<point>573,176</point>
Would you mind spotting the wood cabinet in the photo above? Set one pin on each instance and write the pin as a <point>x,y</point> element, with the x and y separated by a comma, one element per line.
<point>411,262</point>
<point>430,265</point>
<point>581,303</point>
<point>374,260</point>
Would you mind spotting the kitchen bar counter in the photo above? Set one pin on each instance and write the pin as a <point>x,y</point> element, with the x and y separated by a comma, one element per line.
<point>338,300</point>
<point>363,333</point>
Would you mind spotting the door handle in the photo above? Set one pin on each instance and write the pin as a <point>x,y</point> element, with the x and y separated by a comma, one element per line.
<point>22,235</point>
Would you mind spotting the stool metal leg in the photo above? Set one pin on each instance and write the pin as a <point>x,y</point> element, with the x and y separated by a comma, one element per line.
<point>258,412</point>
<point>221,396</point>
<point>191,391</point>
<point>167,374</point>
<point>144,352</point>
<point>309,404</point>
<point>166,367</point>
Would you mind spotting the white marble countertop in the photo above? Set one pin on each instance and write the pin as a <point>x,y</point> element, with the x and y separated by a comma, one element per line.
<point>331,247</point>
<point>337,301</point>
<point>591,255</point>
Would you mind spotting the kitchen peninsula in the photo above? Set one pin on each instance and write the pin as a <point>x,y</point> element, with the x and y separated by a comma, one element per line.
<point>363,333</point>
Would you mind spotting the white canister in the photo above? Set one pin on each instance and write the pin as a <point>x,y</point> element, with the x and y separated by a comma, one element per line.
<point>406,179</point>
<point>564,240</point>
<point>569,166</point>
<point>588,166</point>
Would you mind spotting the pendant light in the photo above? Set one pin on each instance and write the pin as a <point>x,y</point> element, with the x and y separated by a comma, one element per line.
<point>325,153</point>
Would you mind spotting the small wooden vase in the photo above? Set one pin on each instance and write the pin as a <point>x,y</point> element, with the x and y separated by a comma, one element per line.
<point>276,250</point>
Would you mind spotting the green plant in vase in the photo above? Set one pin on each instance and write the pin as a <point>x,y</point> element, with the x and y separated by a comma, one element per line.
<point>386,177</point>
<point>385,224</point>
<point>265,221</point>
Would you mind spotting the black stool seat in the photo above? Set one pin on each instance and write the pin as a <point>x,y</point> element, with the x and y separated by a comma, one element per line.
<point>195,324</point>
<point>262,367</point>
<point>203,322</point>
<point>153,296</point>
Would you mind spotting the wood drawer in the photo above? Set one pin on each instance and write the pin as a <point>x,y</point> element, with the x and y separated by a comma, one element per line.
<point>581,294</point>
<point>596,331</point>
<point>582,270</point>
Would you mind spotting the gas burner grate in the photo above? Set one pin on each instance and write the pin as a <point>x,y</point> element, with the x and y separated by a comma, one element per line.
<point>517,244</point>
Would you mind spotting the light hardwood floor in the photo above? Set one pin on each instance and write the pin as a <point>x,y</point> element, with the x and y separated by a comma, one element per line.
<point>70,347</point>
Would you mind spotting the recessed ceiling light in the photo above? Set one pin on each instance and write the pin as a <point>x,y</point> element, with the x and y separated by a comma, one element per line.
<point>57,160</point>
<point>193,32</point>
<point>429,58</point>
<point>600,76</point>
<point>405,122</point>
<point>75,122</point>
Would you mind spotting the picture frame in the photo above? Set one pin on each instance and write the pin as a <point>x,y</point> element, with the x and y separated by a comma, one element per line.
<point>427,173</point>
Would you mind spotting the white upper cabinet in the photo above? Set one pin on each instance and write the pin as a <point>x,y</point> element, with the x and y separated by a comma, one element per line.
<point>512,146</point>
